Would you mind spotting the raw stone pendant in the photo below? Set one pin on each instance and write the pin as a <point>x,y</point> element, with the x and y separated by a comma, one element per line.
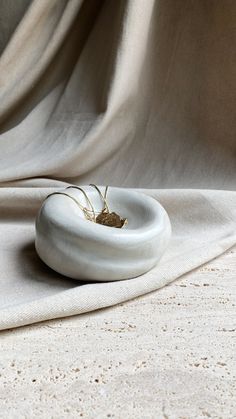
<point>110,219</point>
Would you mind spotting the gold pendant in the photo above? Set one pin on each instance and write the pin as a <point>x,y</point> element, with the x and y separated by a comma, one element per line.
<point>110,219</point>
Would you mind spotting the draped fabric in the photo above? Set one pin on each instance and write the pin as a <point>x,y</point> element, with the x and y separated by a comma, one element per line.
<point>131,93</point>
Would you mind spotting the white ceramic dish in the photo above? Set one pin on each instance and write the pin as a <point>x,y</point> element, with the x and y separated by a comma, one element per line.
<point>84,250</point>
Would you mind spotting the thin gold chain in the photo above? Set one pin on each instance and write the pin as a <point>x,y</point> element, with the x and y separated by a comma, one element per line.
<point>105,204</point>
<point>87,212</point>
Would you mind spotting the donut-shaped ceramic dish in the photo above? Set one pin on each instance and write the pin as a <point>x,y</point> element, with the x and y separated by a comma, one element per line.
<point>81,249</point>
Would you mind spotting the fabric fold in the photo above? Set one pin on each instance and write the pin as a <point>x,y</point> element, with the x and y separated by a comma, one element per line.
<point>30,292</point>
<point>130,93</point>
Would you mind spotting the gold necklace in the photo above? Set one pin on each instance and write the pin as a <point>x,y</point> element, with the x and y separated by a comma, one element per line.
<point>105,217</point>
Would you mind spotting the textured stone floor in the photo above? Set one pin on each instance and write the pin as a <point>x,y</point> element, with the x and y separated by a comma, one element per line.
<point>170,354</point>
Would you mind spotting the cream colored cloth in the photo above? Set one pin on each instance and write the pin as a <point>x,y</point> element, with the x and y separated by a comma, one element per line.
<point>137,93</point>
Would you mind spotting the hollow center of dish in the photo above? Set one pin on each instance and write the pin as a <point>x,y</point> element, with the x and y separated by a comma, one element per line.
<point>122,207</point>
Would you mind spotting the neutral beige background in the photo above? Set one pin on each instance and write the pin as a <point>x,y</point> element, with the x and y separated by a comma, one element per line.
<point>129,93</point>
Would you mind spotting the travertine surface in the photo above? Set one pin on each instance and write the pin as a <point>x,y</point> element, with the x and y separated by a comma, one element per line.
<point>170,354</point>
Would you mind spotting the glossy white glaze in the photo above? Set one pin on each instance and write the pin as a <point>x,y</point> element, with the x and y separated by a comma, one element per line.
<point>81,249</point>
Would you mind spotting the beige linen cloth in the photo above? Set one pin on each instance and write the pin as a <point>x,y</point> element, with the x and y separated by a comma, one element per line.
<point>135,93</point>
